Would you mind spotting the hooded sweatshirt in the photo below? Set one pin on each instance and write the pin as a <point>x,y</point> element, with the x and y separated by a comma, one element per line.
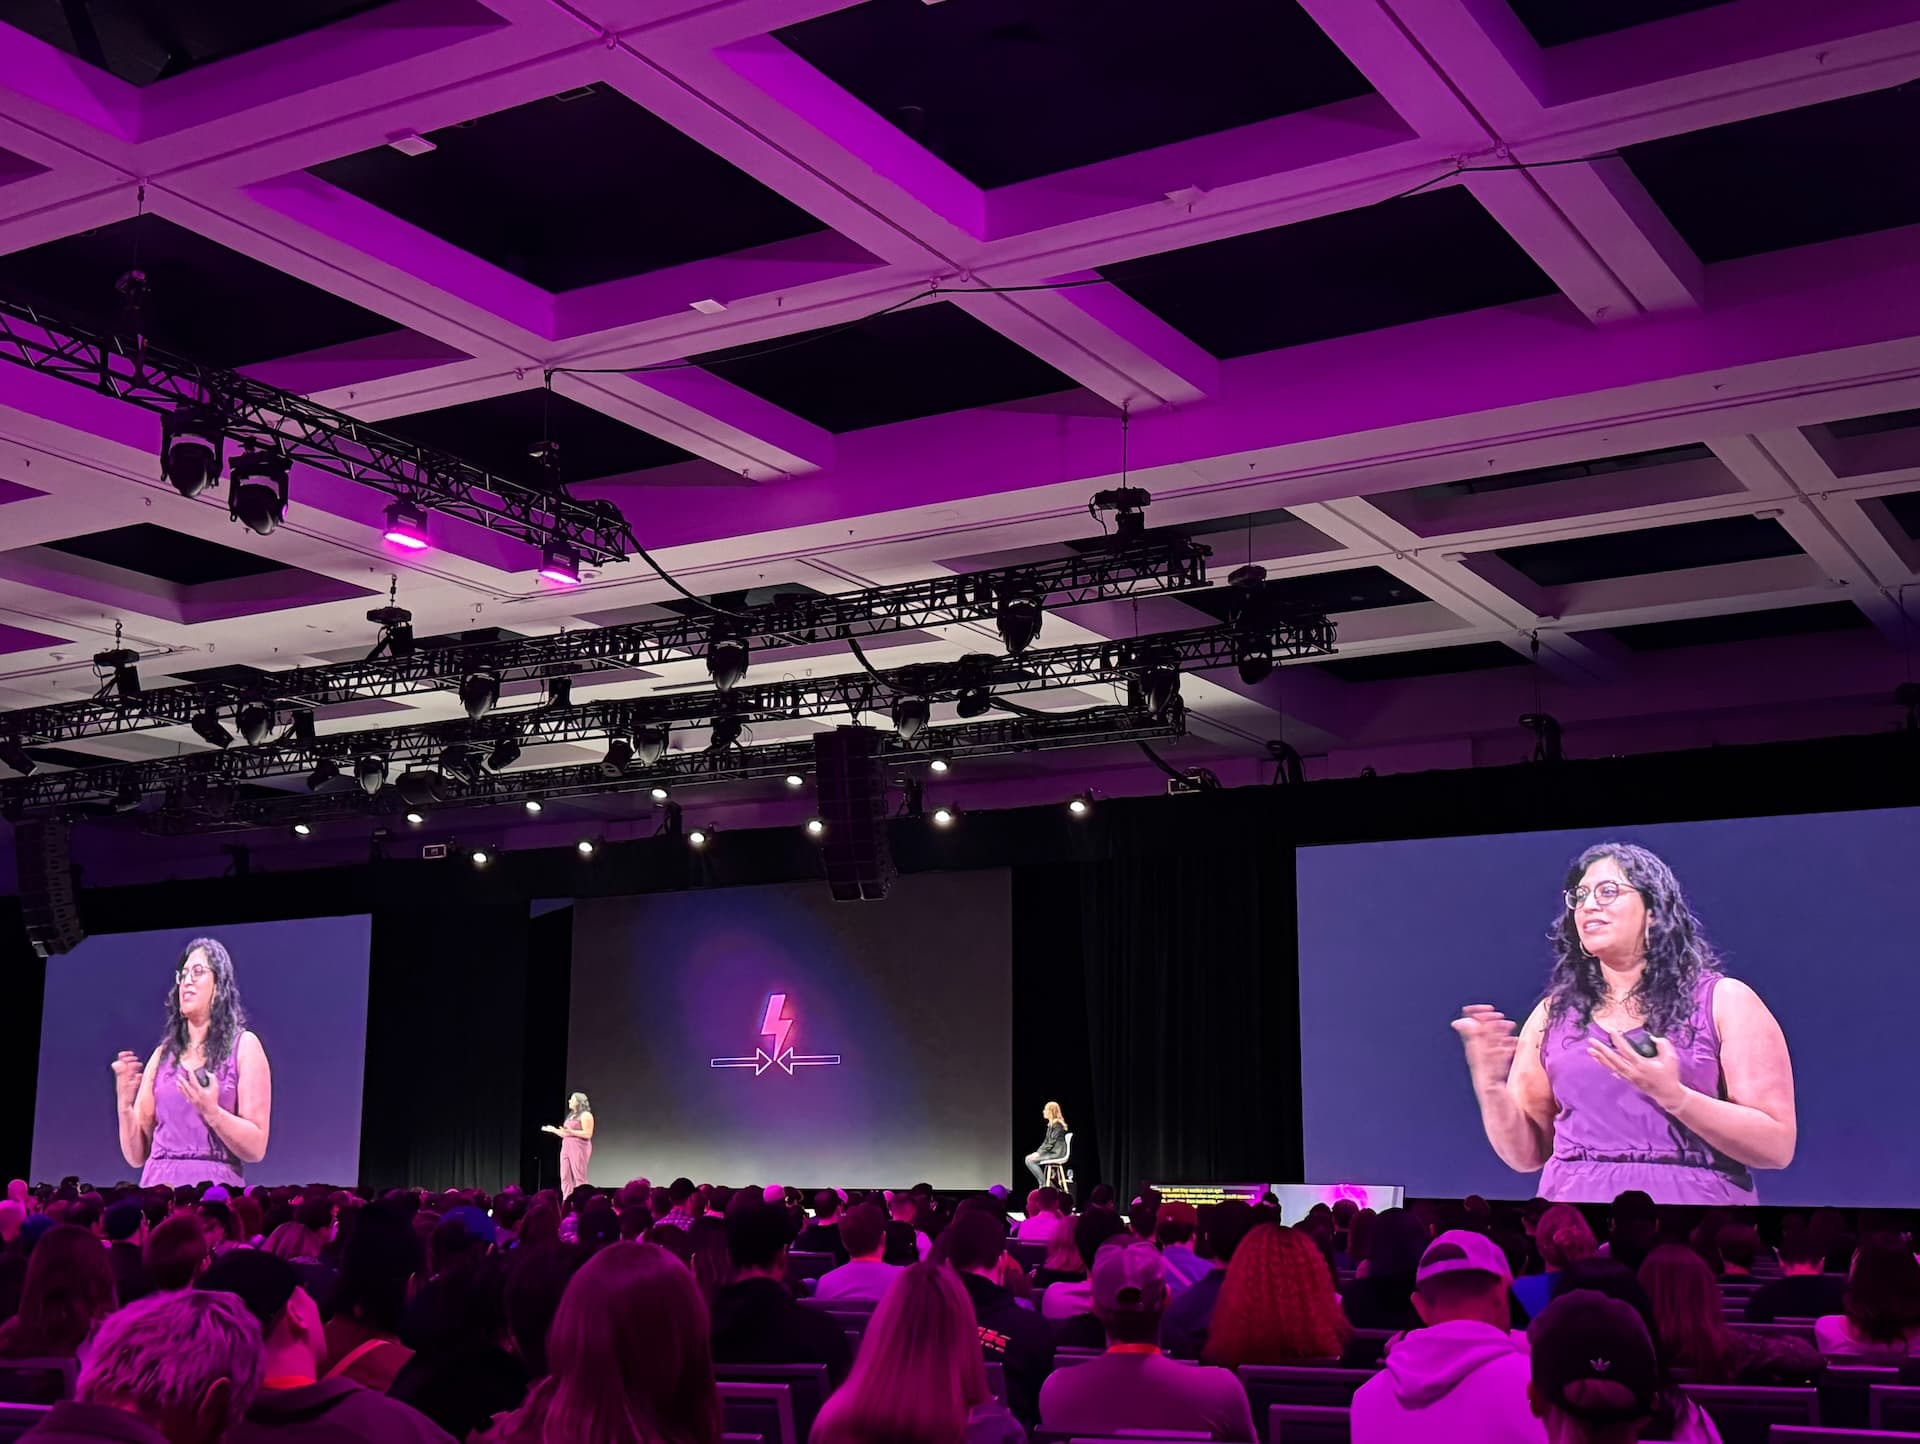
<point>1459,1380</point>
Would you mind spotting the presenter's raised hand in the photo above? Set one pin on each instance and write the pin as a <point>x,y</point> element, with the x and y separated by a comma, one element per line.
<point>127,1069</point>
<point>1491,1039</point>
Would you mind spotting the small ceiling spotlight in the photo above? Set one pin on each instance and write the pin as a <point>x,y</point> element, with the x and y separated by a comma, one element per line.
<point>325,776</point>
<point>415,818</point>
<point>257,496</point>
<point>255,722</point>
<point>1018,620</point>
<point>726,732</point>
<point>560,565</point>
<point>1082,805</point>
<point>208,728</point>
<point>480,857</point>
<point>650,745</point>
<point>586,847</point>
<point>301,829</point>
<point>533,806</point>
<point>815,827</point>
<point>421,787</point>
<point>939,764</point>
<point>1128,505</point>
<point>505,753</point>
<point>13,755</point>
<point>1253,656</point>
<point>406,527</point>
<point>192,441</point>
<point>657,793</point>
<point>943,816</point>
<point>371,773</point>
<point>726,661</point>
<point>697,838</point>
<point>794,779</point>
<point>479,694</point>
<point>910,714</point>
<point>618,759</point>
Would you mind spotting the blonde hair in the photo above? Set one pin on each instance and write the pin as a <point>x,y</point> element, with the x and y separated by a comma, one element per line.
<point>918,1374</point>
<point>293,1241</point>
<point>1053,1114</point>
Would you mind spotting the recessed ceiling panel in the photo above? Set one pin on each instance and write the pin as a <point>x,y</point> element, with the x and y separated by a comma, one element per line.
<point>177,557</point>
<point>1649,550</point>
<point>499,433</point>
<point>1741,627</point>
<point>1425,662</point>
<point>1555,22</point>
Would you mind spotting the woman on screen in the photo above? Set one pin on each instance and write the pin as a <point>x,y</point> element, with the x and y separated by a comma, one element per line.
<point>576,1143</point>
<point>1052,1147</point>
<point>199,1110</point>
<point>1645,1066</point>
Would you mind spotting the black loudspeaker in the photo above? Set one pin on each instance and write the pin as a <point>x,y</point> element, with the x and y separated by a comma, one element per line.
<point>47,904</point>
<point>853,805</point>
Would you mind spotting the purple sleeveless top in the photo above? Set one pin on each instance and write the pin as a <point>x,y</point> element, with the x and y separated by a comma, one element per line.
<point>1609,1137</point>
<point>184,1148</point>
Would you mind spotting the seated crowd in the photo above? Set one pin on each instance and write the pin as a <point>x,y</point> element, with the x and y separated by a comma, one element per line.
<point>195,1315</point>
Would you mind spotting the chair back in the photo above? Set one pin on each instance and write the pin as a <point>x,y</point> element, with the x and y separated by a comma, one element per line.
<point>1743,1413</point>
<point>1802,1332</point>
<point>37,1381</point>
<point>1031,1255</point>
<point>762,1409</point>
<point>1893,1406</point>
<point>807,1386</point>
<point>1270,1384</point>
<point>1368,1347</point>
<point>808,1266</point>
<point>1843,1387</point>
<point>16,1419</point>
<point>1822,1434</point>
<point>1308,1424</point>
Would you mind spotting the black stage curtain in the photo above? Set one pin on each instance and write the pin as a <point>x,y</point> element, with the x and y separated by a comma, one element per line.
<point>23,977</point>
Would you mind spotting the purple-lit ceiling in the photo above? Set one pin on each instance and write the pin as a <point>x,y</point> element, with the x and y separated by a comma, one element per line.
<point>1614,400</point>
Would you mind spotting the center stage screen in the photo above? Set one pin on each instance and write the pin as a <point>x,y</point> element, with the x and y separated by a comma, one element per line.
<point>1809,916</point>
<point>773,1035</point>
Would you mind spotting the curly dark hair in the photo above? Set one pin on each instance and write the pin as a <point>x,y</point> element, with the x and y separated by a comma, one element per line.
<point>1678,953</point>
<point>229,1018</point>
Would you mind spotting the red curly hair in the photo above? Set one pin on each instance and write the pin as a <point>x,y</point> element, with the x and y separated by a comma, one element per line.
<point>1277,1303</point>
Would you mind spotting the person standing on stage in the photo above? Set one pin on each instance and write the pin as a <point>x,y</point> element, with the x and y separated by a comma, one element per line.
<point>576,1144</point>
<point>200,1108</point>
<point>1645,1066</point>
<point>1053,1146</point>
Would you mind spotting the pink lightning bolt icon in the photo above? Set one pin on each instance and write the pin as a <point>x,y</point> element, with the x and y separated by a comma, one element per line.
<point>776,1024</point>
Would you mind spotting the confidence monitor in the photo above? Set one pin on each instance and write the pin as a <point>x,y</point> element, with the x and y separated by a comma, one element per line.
<point>773,1035</point>
<point>1774,958</point>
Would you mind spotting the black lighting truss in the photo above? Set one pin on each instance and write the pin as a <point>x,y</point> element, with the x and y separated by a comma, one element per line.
<point>848,694</point>
<point>258,415</point>
<point>213,810</point>
<point>1172,564</point>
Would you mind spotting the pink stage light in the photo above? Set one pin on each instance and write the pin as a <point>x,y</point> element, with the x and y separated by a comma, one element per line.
<point>560,566</point>
<point>406,527</point>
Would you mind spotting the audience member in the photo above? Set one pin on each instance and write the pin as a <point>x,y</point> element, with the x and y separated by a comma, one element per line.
<point>822,1234</point>
<point>1047,1216</point>
<point>907,1240</point>
<point>1829,1229</point>
<point>1804,1290</point>
<point>866,1275</point>
<point>13,1214</point>
<point>1065,1300</point>
<point>1563,1236</point>
<point>1381,1295</point>
<point>463,1371</point>
<point>174,1368</point>
<point>1063,1264</point>
<point>535,1288</point>
<point>1880,1315</point>
<point>681,1199</point>
<point>756,1319</point>
<point>1190,1315</point>
<point>1174,1228</point>
<point>1740,1247</point>
<point>1675,1416</point>
<point>125,1228</point>
<point>1133,1386</point>
<point>176,1254</point>
<point>1276,1304</point>
<point>1463,1376</point>
<point>919,1375</point>
<point>68,1289</point>
<point>707,1245</point>
<point>1593,1375</point>
<point>1690,1330</point>
<point>1632,1230</point>
<point>294,1403</point>
<point>629,1357</point>
<point>370,1301</point>
<point>1010,1331</point>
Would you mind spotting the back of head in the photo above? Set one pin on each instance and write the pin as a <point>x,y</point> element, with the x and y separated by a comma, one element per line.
<point>293,1241</point>
<point>676,1241</point>
<point>1883,1291</point>
<point>1094,1228</point>
<point>1277,1303</point>
<point>375,1268</point>
<point>864,1230</point>
<point>628,1356</point>
<point>973,1242</point>
<point>1463,1277</point>
<point>175,1253</point>
<point>1399,1238</point>
<point>1802,1250</point>
<point>918,1372</point>
<point>68,1289</point>
<point>826,1204</point>
<point>1564,1236</point>
<point>1223,1226</point>
<point>534,1289</point>
<point>1688,1317</point>
<point>680,1192</point>
<point>1739,1246</point>
<point>1595,1375</point>
<point>175,1359</point>
<point>1610,1277</point>
<point>757,1234</point>
<point>1175,1223</point>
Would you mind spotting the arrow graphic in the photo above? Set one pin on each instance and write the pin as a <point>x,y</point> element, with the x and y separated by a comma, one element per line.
<point>777,1024</point>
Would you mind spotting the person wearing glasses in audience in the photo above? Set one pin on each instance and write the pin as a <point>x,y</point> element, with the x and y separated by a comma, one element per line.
<point>1645,1066</point>
<point>198,1110</point>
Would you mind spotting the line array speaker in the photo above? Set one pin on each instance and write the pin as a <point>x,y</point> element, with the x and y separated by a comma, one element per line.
<point>853,805</point>
<point>47,902</point>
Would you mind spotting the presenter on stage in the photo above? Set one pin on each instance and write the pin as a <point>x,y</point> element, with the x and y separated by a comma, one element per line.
<point>1053,1146</point>
<point>199,1110</point>
<point>1645,1066</point>
<point>576,1144</point>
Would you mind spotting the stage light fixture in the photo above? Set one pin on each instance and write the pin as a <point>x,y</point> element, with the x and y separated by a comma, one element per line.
<point>415,818</point>
<point>505,753</point>
<point>303,733</point>
<point>1253,656</point>
<point>301,829</point>
<point>421,787</point>
<point>586,847</point>
<point>939,764</point>
<point>910,714</point>
<point>815,827</point>
<point>697,838</point>
<point>943,817</point>
<point>559,693</point>
<point>534,806</point>
<point>560,565</point>
<point>976,684</point>
<point>726,732</point>
<point>371,773</point>
<point>671,817</point>
<point>1128,505</point>
<point>657,793</point>
<point>1160,686</point>
<point>254,722</point>
<point>396,632</point>
<point>479,694</point>
<point>974,703</point>
<point>257,494</point>
<point>191,443</point>
<point>480,857</point>
<point>15,757</point>
<point>459,762</point>
<point>619,757</point>
<point>122,664</point>
<point>1018,620</point>
<point>1082,805</point>
<point>325,775</point>
<point>207,727</point>
<point>127,799</point>
<point>650,745</point>
<point>794,779</point>
<point>726,661</point>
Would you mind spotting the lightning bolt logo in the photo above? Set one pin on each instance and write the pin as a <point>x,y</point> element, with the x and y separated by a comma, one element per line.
<point>776,1024</point>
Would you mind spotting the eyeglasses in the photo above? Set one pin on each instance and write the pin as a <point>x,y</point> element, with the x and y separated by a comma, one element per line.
<point>195,974</point>
<point>1604,893</point>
